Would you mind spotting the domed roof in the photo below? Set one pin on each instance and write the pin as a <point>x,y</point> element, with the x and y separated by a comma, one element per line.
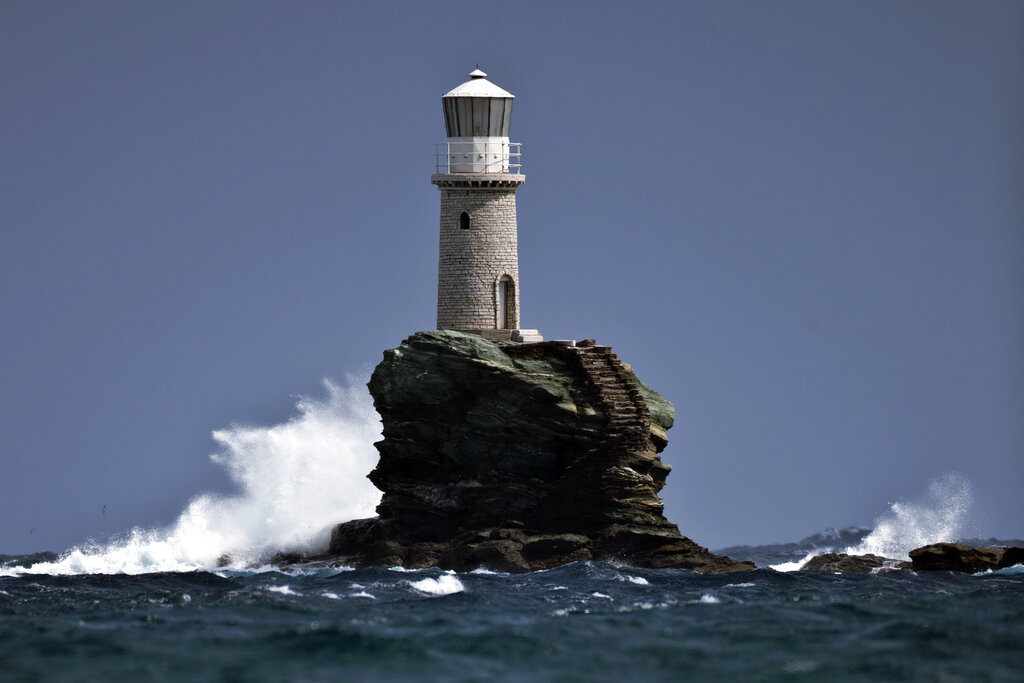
<point>477,86</point>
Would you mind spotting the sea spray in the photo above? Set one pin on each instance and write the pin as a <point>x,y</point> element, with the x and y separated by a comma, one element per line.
<point>294,481</point>
<point>939,518</point>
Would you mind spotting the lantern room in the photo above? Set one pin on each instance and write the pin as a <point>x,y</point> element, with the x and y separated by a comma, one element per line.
<point>477,116</point>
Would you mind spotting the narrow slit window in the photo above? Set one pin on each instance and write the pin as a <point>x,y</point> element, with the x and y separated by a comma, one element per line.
<point>464,221</point>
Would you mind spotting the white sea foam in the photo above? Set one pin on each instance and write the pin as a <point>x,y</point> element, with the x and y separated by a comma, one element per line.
<point>283,590</point>
<point>793,566</point>
<point>708,599</point>
<point>295,480</point>
<point>446,584</point>
<point>487,572</point>
<point>638,580</point>
<point>939,518</point>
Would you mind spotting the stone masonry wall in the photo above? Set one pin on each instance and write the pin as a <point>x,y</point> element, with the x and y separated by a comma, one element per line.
<point>472,261</point>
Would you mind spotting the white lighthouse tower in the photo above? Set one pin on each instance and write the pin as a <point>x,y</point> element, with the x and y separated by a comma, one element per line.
<point>478,171</point>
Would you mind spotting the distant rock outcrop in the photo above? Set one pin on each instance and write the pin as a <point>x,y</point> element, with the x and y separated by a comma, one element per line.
<point>953,557</point>
<point>841,563</point>
<point>957,557</point>
<point>517,457</point>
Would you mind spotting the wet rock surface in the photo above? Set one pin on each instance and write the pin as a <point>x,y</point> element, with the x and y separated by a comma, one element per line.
<point>953,557</point>
<point>957,557</point>
<point>841,563</point>
<point>517,457</point>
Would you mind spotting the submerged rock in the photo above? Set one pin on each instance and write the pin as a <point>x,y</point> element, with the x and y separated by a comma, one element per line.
<point>957,557</point>
<point>517,457</point>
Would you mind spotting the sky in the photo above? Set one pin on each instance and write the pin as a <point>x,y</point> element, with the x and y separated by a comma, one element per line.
<point>801,222</point>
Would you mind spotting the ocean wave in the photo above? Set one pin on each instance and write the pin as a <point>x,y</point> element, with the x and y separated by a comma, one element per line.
<point>940,517</point>
<point>295,481</point>
<point>797,564</point>
<point>446,584</point>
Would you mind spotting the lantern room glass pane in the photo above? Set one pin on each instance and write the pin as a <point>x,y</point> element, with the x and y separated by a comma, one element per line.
<point>450,120</point>
<point>481,115</point>
<point>497,119</point>
<point>506,124</point>
<point>464,110</point>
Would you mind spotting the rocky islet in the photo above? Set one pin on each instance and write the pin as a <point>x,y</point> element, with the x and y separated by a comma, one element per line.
<point>517,457</point>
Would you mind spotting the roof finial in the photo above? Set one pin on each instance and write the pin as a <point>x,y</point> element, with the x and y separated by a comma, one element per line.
<point>477,73</point>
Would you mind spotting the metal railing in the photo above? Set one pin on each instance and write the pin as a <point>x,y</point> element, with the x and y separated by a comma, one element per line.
<point>478,157</point>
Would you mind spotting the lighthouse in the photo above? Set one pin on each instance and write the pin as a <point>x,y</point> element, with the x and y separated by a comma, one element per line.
<point>478,171</point>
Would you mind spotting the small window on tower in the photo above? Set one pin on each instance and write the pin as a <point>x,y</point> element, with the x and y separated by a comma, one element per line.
<point>464,221</point>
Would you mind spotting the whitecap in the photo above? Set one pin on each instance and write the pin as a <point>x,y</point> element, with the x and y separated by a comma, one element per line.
<point>601,595</point>
<point>446,584</point>
<point>708,599</point>
<point>638,580</point>
<point>283,590</point>
<point>793,566</point>
<point>487,572</point>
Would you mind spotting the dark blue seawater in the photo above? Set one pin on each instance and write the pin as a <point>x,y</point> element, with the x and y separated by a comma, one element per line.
<point>581,622</point>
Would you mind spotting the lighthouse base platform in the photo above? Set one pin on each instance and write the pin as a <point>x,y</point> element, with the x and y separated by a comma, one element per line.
<point>508,335</point>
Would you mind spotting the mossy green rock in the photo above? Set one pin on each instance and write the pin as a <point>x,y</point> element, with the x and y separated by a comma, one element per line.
<point>516,457</point>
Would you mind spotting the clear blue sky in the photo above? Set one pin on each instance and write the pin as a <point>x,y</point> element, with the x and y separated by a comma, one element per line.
<point>802,222</point>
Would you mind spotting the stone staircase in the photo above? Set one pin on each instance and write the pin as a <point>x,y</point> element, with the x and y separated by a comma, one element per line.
<point>624,459</point>
<point>620,467</point>
<point>629,420</point>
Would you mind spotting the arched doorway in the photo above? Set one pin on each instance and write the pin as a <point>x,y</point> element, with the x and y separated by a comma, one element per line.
<point>506,303</point>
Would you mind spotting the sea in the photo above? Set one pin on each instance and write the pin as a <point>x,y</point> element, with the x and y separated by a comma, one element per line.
<point>198,601</point>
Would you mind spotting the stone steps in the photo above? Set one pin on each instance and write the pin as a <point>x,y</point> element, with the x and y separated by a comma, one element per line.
<point>625,409</point>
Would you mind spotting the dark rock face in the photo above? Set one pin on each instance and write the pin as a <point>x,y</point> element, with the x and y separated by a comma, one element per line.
<point>517,457</point>
<point>957,557</point>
